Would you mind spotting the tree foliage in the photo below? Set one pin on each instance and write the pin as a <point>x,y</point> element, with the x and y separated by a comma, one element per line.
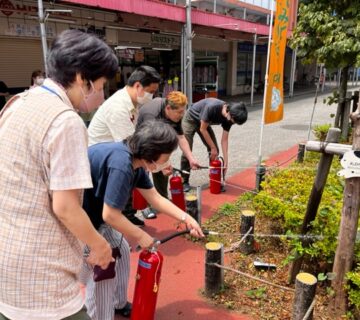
<point>328,32</point>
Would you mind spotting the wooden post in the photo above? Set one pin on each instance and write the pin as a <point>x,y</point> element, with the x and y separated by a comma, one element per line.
<point>192,205</point>
<point>301,152</point>
<point>333,135</point>
<point>260,174</point>
<point>348,226</point>
<point>305,287</point>
<point>247,222</point>
<point>214,276</point>
<point>346,115</point>
<point>355,99</point>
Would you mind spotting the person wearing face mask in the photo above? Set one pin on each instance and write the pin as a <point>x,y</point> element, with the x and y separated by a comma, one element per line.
<point>199,118</point>
<point>115,120</point>
<point>37,78</point>
<point>44,168</point>
<point>171,110</point>
<point>117,168</point>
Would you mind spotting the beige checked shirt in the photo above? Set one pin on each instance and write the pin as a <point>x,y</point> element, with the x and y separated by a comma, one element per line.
<point>43,147</point>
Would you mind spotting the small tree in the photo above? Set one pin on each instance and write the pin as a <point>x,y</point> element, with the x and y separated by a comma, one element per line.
<point>329,32</point>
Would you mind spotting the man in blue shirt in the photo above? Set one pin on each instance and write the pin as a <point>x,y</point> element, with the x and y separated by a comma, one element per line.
<point>116,169</point>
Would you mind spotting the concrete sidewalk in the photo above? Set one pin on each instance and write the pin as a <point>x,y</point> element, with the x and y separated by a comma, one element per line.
<point>184,261</point>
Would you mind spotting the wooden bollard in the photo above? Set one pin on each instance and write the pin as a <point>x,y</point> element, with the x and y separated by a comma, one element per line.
<point>192,205</point>
<point>305,287</point>
<point>260,174</point>
<point>214,276</point>
<point>247,222</point>
<point>301,152</point>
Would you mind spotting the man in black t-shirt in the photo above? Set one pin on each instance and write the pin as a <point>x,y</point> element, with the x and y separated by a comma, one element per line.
<point>4,92</point>
<point>199,118</point>
<point>171,110</point>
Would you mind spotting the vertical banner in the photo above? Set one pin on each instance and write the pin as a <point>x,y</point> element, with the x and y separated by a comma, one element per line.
<point>274,102</point>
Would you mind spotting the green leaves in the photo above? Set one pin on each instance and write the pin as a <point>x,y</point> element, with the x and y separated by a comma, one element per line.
<point>328,32</point>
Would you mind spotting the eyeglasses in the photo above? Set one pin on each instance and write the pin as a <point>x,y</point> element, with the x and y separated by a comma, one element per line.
<point>159,167</point>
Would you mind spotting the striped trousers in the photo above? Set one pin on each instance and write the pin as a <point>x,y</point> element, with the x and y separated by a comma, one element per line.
<point>104,296</point>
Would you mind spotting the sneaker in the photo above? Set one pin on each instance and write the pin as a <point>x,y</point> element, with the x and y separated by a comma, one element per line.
<point>149,213</point>
<point>186,187</point>
<point>126,311</point>
<point>135,220</point>
<point>223,189</point>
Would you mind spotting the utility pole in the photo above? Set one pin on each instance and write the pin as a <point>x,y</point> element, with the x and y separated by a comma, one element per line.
<point>43,33</point>
<point>189,52</point>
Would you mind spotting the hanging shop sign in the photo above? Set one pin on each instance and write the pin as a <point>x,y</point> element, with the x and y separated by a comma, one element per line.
<point>165,40</point>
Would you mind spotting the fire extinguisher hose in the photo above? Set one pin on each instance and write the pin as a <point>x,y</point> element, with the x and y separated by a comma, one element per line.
<point>174,235</point>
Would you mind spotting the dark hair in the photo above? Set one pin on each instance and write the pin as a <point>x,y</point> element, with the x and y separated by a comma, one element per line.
<point>36,73</point>
<point>145,75</point>
<point>74,51</point>
<point>152,139</point>
<point>238,112</point>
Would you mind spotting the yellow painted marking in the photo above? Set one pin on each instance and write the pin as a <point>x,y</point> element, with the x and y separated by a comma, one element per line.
<point>213,246</point>
<point>306,278</point>
<point>190,197</point>
<point>247,213</point>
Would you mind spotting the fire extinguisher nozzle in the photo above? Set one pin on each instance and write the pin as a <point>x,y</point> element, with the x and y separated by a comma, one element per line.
<point>210,233</point>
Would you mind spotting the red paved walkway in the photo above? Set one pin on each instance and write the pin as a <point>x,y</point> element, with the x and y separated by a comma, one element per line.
<point>183,270</point>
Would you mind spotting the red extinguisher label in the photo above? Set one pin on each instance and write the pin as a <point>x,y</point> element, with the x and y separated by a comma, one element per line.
<point>144,264</point>
<point>214,171</point>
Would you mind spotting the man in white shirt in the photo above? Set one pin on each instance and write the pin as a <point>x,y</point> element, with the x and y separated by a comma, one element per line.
<point>115,120</point>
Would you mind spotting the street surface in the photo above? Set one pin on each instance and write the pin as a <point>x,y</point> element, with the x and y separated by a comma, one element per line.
<point>244,140</point>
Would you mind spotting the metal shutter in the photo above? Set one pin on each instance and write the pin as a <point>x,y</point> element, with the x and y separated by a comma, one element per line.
<point>18,59</point>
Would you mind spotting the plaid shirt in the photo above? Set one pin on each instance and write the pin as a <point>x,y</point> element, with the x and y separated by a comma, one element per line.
<point>43,148</point>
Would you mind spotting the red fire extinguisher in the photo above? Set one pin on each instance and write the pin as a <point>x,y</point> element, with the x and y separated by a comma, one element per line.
<point>215,174</point>
<point>147,284</point>
<point>138,201</point>
<point>148,279</point>
<point>177,191</point>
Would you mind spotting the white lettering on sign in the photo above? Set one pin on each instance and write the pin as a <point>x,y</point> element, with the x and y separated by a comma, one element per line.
<point>166,40</point>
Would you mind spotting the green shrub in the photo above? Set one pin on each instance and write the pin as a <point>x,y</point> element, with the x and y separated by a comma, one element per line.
<point>320,131</point>
<point>353,287</point>
<point>285,196</point>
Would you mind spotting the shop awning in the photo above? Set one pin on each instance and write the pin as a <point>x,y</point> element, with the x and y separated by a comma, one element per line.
<point>175,13</point>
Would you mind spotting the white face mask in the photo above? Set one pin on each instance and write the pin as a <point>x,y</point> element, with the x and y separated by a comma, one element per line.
<point>92,100</point>
<point>39,81</point>
<point>147,97</point>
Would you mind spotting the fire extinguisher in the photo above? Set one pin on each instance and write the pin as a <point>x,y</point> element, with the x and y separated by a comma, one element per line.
<point>215,174</point>
<point>138,201</point>
<point>177,190</point>
<point>148,279</point>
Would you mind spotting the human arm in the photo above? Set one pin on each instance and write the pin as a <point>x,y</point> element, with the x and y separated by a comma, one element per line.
<point>119,222</point>
<point>66,206</point>
<point>167,207</point>
<point>204,132</point>
<point>184,146</point>
<point>224,147</point>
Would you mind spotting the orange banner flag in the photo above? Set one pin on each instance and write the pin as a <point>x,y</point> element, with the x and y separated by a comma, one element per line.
<point>274,102</point>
